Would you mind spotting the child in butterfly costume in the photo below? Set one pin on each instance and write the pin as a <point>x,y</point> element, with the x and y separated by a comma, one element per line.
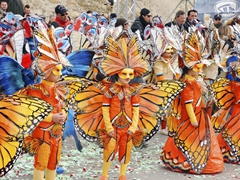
<point>110,113</point>
<point>226,120</point>
<point>45,142</point>
<point>192,146</point>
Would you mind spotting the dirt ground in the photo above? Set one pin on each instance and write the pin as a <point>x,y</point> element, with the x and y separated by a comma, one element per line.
<point>86,165</point>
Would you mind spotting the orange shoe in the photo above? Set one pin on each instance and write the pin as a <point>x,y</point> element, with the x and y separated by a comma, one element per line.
<point>122,177</point>
<point>103,178</point>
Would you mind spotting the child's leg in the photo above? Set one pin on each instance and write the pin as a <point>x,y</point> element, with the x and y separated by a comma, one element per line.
<point>38,174</point>
<point>50,174</point>
<point>108,155</point>
<point>105,168</point>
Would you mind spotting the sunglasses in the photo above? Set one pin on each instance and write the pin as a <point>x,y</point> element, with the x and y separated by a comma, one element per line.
<point>218,19</point>
<point>125,24</point>
<point>149,16</point>
<point>64,14</point>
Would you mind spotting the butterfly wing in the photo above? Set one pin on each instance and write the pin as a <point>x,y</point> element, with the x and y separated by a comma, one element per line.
<point>81,61</point>
<point>194,144</point>
<point>222,93</point>
<point>154,103</point>
<point>173,120</point>
<point>13,76</point>
<point>19,115</point>
<point>79,41</point>
<point>88,107</point>
<point>219,119</point>
<point>230,134</point>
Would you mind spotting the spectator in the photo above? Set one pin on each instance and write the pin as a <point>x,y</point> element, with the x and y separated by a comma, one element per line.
<point>1,13</point>
<point>191,20</point>
<point>62,15</point>
<point>52,18</point>
<point>217,20</point>
<point>142,21</point>
<point>179,20</point>
<point>4,6</point>
<point>122,22</point>
<point>27,11</point>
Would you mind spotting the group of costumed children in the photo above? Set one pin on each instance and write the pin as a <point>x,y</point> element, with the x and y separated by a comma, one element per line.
<point>121,110</point>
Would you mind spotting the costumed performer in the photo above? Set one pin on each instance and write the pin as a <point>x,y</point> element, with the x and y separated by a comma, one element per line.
<point>192,146</point>
<point>45,142</point>
<point>226,120</point>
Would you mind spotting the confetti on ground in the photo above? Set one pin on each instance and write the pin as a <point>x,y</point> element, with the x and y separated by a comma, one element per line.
<point>87,165</point>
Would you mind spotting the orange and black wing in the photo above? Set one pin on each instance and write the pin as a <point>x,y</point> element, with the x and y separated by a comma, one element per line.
<point>88,107</point>
<point>231,133</point>
<point>222,93</point>
<point>219,119</point>
<point>19,115</point>
<point>194,142</point>
<point>155,100</point>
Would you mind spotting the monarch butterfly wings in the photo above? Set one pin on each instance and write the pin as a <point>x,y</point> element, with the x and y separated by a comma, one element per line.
<point>154,102</point>
<point>222,93</point>
<point>19,115</point>
<point>88,107</point>
<point>73,84</point>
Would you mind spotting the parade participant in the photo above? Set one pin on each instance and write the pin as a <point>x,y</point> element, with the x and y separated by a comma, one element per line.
<point>166,68</point>
<point>192,146</point>
<point>226,120</point>
<point>120,122</point>
<point>47,137</point>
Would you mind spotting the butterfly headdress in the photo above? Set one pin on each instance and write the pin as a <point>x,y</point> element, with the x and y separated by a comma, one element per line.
<point>48,56</point>
<point>122,53</point>
<point>192,50</point>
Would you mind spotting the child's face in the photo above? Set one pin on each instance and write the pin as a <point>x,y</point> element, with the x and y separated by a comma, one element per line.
<point>126,75</point>
<point>55,74</point>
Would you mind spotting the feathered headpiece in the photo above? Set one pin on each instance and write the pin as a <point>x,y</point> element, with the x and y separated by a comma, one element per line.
<point>48,56</point>
<point>122,53</point>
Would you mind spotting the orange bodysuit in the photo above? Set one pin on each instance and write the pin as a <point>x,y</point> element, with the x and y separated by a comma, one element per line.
<point>120,116</point>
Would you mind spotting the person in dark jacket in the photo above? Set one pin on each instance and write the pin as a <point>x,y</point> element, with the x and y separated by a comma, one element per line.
<point>191,20</point>
<point>142,21</point>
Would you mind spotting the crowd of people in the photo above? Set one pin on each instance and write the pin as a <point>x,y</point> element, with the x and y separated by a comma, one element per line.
<point>123,83</point>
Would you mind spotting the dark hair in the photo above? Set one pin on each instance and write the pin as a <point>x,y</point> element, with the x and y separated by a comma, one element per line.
<point>113,15</point>
<point>144,12</point>
<point>89,11</point>
<point>27,6</point>
<point>179,13</point>
<point>120,21</point>
<point>193,10</point>
<point>54,24</point>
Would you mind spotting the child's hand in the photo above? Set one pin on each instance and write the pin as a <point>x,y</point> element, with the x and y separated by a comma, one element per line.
<point>195,124</point>
<point>130,132</point>
<point>59,118</point>
<point>111,133</point>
